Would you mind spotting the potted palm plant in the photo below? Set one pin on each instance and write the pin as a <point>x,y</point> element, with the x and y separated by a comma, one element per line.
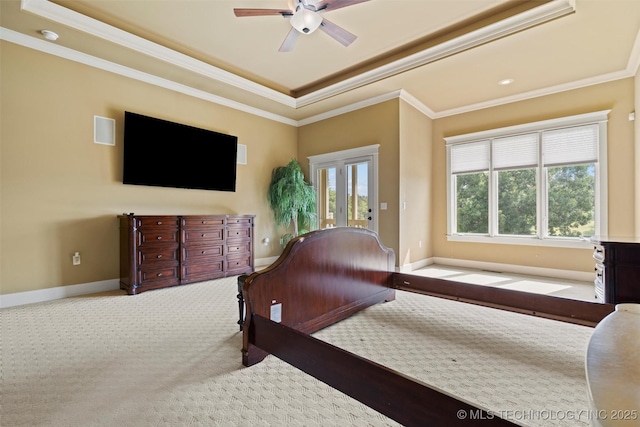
<point>292,200</point>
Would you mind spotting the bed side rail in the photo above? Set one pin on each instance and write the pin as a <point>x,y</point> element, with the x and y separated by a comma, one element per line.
<point>550,307</point>
<point>405,400</point>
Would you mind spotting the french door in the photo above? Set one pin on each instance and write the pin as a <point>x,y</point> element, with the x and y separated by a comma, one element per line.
<point>346,188</point>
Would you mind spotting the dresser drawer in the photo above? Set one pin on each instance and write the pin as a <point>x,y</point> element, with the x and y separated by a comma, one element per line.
<point>243,222</point>
<point>238,264</point>
<point>205,271</point>
<point>200,235</point>
<point>203,221</point>
<point>157,236</point>
<point>158,254</point>
<point>238,233</point>
<point>238,248</point>
<point>157,221</point>
<point>194,253</point>
<point>154,277</point>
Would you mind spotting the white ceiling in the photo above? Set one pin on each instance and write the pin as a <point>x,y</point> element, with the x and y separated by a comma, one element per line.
<point>444,56</point>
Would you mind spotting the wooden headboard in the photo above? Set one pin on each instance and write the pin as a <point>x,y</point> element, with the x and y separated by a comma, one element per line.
<point>321,278</point>
<point>326,276</point>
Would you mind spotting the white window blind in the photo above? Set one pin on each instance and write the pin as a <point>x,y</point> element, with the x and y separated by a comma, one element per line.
<point>570,145</point>
<point>473,157</point>
<point>516,151</point>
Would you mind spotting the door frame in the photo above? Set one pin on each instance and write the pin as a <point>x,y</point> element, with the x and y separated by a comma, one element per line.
<point>353,155</point>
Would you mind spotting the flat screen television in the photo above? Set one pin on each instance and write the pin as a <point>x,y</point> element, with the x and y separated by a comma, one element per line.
<point>167,154</point>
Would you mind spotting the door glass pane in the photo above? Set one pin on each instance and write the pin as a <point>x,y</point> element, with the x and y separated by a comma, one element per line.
<point>327,197</point>
<point>517,202</point>
<point>472,202</point>
<point>357,195</point>
<point>572,200</point>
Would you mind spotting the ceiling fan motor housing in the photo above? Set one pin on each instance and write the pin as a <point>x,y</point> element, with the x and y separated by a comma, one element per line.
<point>305,19</point>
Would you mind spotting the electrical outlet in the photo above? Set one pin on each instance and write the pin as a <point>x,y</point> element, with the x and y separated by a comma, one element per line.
<point>76,258</point>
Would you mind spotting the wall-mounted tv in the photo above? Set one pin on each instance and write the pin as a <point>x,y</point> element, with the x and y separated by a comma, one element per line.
<point>167,154</point>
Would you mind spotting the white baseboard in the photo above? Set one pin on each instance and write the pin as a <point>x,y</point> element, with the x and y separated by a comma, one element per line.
<point>49,294</point>
<point>261,263</point>
<point>406,268</point>
<point>516,269</point>
<point>41,295</point>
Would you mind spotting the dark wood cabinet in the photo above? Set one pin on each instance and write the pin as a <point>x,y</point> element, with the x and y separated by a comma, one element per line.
<point>161,251</point>
<point>617,270</point>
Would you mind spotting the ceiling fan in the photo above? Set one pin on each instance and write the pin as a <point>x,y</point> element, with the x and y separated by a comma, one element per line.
<point>305,19</point>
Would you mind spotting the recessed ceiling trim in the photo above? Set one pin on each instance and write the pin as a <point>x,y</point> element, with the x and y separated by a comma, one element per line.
<point>402,94</point>
<point>536,16</point>
<point>527,19</point>
<point>604,78</point>
<point>102,64</point>
<point>80,22</point>
<point>634,59</point>
<point>349,108</point>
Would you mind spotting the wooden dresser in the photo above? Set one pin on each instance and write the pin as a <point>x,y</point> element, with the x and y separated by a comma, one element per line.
<point>158,251</point>
<point>617,269</point>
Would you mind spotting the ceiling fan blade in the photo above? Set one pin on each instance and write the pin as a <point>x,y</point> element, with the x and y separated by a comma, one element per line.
<point>261,12</point>
<point>340,34</point>
<point>336,4</point>
<point>289,41</point>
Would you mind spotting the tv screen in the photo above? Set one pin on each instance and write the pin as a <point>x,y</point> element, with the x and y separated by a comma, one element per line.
<point>166,154</point>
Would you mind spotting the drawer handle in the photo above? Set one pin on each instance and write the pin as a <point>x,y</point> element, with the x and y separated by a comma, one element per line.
<point>159,222</point>
<point>237,249</point>
<point>203,235</point>
<point>159,274</point>
<point>204,222</point>
<point>159,256</point>
<point>204,252</point>
<point>159,237</point>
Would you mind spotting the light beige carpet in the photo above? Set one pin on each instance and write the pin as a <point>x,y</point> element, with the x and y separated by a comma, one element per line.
<point>172,357</point>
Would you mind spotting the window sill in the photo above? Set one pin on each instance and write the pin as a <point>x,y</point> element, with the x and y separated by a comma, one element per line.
<point>523,241</point>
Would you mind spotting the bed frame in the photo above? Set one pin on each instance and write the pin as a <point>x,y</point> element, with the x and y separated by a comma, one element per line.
<point>326,276</point>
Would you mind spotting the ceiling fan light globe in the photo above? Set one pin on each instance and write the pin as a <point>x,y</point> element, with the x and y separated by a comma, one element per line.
<point>306,21</point>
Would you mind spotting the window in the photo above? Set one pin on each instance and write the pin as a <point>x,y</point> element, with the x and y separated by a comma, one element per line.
<point>541,183</point>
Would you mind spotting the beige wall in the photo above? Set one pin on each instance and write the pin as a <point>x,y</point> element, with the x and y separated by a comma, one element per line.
<point>617,96</point>
<point>415,185</point>
<point>377,124</point>
<point>60,192</point>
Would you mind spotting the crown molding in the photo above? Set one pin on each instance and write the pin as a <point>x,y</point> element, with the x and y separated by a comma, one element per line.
<point>92,61</point>
<point>605,78</point>
<point>80,22</point>
<point>541,14</point>
<point>417,104</point>
<point>633,65</point>
<point>522,21</point>
<point>349,108</point>
<point>44,7</point>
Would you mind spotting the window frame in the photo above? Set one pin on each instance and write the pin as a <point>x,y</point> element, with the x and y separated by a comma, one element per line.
<point>599,118</point>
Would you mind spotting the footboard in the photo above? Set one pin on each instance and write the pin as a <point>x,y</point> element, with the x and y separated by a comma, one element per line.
<point>321,278</point>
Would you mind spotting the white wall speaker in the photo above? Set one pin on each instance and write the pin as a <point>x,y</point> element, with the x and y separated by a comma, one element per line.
<point>104,130</point>
<point>242,154</point>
